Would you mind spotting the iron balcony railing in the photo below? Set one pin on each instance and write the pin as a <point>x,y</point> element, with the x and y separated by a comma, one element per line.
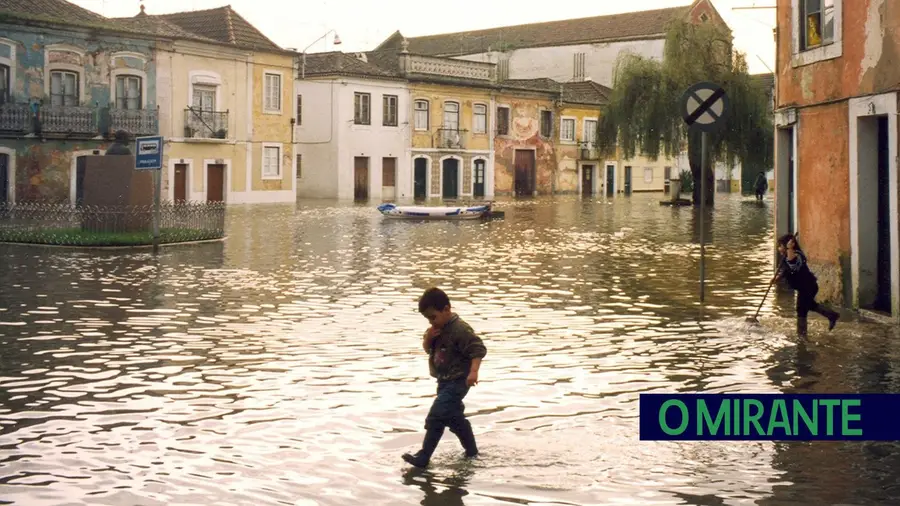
<point>137,122</point>
<point>202,124</point>
<point>450,138</point>
<point>68,119</point>
<point>588,151</point>
<point>16,118</point>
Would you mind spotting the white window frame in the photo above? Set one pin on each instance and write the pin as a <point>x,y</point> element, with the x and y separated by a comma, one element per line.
<point>79,69</point>
<point>584,124</point>
<point>79,78</point>
<point>830,51</point>
<point>562,121</point>
<point>298,109</point>
<point>266,146</point>
<point>475,114</point>
<point>368,118</point>
<point>267,106</point>
<point>385,107</point>
<point>427,111</point>
<point>11,63</point>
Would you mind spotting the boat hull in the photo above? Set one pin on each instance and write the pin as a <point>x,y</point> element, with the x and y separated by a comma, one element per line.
<point>433,213</point>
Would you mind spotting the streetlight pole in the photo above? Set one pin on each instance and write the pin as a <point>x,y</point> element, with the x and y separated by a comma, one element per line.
<point>337,41</point>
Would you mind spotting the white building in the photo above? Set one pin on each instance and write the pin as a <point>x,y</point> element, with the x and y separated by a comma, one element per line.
<point>352,135</point>
<point>571,50</point>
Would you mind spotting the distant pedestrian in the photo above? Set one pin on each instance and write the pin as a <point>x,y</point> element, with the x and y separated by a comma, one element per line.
<point>761,186</point>
<point>454,357</point>
<point>795,270</point>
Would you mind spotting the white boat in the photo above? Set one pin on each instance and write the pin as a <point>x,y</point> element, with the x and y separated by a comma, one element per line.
<point>434,212</point>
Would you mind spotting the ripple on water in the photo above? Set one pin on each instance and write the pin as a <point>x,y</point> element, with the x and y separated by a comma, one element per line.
<point>283,365</point>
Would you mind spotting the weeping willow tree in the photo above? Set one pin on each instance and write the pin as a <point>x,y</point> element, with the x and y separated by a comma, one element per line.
<point>643,113</point>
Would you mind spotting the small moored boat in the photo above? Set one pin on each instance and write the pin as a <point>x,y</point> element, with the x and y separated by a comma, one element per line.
<point>435,212</point>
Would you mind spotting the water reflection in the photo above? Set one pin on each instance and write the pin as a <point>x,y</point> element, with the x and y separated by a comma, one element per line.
<point>282,365</point>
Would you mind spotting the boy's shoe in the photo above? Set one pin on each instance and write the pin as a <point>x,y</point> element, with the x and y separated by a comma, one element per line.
<point>417,460</point>
<point>832,319</point>
<point>801,327</point>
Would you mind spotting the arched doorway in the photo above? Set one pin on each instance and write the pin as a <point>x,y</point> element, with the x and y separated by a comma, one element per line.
<point>450,178</point>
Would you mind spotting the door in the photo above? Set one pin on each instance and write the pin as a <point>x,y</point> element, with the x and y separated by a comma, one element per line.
<point>215,183</point>
<point>180,194</point>
<point>389,178</point>
<point>420,178</point>
<point>667,178</point>
<point>4,178</point>
<point>627,180</point>
<point>80,164</point>
<point>450,178</point>
<point>883,292</point>
<point>361,178</point>
<point>610,180</point>
<point>525,174</point>
<point>587,180</point>
<point>478,178</point>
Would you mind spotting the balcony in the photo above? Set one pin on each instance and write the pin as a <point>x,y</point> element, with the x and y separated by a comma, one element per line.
<point>69,120</point>
<point>200,124</point>
<point>17,118</point>
<point>137,122</point>
<point>450,138</point>
<point>587,151</point>
<point>451,68</point>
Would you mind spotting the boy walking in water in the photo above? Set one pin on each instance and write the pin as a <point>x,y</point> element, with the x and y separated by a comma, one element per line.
<point>795,271</point>
<point>454,357</point>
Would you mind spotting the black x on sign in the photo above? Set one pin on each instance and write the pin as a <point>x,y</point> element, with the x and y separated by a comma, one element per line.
<point>703,106</point>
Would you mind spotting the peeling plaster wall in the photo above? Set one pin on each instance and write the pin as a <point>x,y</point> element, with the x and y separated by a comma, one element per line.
<point>43,166</point>
<point>524,133</point>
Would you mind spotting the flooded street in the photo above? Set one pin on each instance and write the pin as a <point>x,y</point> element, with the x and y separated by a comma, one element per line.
<point>283,366</point>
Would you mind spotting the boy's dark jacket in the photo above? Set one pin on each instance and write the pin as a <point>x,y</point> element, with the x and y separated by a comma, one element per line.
<point>453,349</point>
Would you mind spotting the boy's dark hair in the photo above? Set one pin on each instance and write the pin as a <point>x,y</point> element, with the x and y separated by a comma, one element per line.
<point>783,240</point>
<point>433,298</point>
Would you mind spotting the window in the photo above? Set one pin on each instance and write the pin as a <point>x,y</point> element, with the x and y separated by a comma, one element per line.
<point>704,18</point>
<point>578,73</point>
<point>479,121</point>
<point>272,96</point>
<point>204,98</point>
<point>128,92</point>
<point>389,110</point>
<point>271,168</point>
<point>421,115</point>
<point>64,88</point>
<point>299,110</point>
<point>299,166</point>
<point>503,121</point>
<point>4,84</point>
<point>817,23</point>
<point>648,175</point>
<point>567,130</point>
<point>546,124</point>
<point>451,116</point>
<point>590,131</point>
<point>362,114</point>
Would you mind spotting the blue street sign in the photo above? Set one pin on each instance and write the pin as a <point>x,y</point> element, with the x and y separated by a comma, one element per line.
<point>148,153</point>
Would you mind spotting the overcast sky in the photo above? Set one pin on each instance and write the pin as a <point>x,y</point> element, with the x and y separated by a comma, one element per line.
<point>363,24</point>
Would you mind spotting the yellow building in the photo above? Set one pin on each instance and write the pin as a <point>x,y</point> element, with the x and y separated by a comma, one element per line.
<point>225,97</point>
<point>580,168</point>
<point>450,130</point>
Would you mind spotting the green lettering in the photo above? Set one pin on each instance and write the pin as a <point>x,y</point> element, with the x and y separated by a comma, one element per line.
<point>684,417</point>
<point>737,418</point>
<point>800,412</point>
<point>704,418</point>
<point>779,410</point>
<point>829,415</point>
<point>754,418</point>
<point>847,417</point>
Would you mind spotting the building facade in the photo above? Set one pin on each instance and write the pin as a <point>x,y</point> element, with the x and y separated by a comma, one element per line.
<point>67,84</point>
<point>836,145</point>
<point>353,131</point>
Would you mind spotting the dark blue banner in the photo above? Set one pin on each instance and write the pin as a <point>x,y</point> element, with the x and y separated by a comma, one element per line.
<point>770,417</point>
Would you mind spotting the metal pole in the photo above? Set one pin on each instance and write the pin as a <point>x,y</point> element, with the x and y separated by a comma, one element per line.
<point>156,199</point>
<point>702,213</point>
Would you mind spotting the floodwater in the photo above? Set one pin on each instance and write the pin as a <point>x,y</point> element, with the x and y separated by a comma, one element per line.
<point>283,366</point>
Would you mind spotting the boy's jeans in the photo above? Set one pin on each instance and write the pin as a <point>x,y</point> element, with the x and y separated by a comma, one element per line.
<point>447,412</point>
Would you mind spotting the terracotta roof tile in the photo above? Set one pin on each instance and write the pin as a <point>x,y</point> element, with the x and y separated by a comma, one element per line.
<point>586,92</point>
<point>224,25</point>
<point>338,63</point>
<point>59,10</point>
<point>612,27</point>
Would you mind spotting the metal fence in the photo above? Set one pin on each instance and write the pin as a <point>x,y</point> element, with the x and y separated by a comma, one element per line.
<point>87,225</point>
